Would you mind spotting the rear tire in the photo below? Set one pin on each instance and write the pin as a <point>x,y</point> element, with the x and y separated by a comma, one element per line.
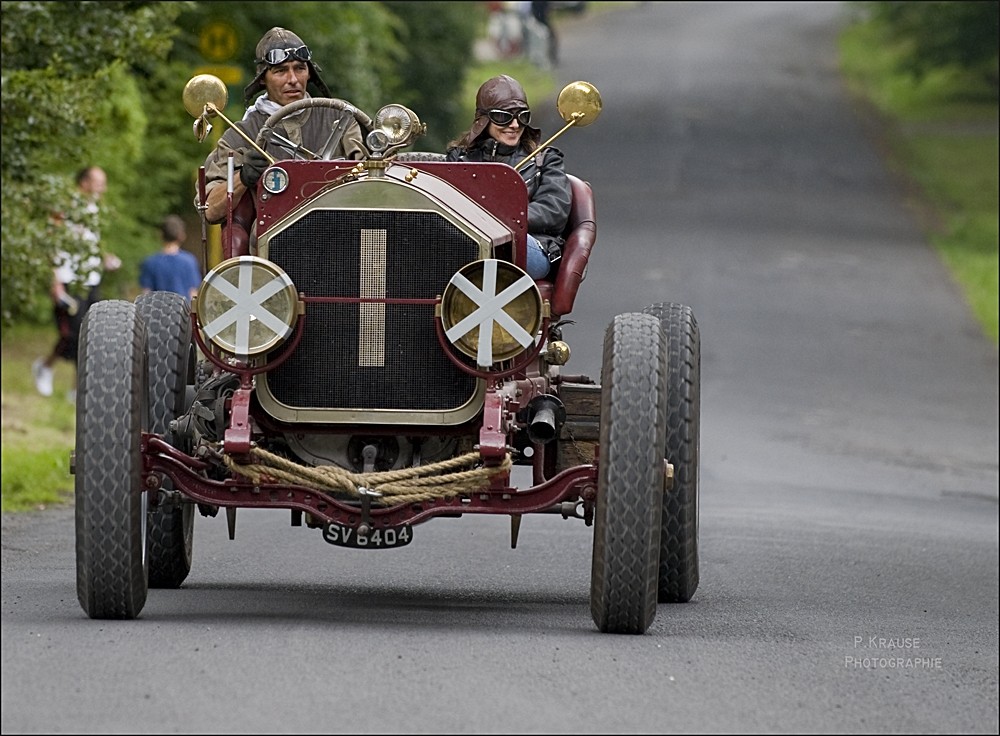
<point>678,569</point>
<point>112,411</point>
<point>171,528</point>
<point>630,475</point>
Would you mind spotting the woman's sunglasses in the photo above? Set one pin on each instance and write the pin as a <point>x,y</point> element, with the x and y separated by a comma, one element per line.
<point>504,118</point>
<point>280,56</point>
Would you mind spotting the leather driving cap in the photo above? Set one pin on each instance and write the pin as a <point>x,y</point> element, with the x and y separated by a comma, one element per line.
<point>280,38</point>
<point>276,38</point>
<point>499,93</point>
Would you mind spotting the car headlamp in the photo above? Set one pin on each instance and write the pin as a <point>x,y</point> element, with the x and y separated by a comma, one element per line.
<point>398,123</point>
<point>247,305</point>
<point>491,310</point>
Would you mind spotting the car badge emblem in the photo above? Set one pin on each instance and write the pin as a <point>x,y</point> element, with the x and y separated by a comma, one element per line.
<point>276,180</point>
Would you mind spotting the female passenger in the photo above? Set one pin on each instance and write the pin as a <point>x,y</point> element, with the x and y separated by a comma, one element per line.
<point>502,131</point>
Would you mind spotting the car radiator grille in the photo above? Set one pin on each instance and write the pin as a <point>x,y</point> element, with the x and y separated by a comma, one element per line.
<point>371,356</point>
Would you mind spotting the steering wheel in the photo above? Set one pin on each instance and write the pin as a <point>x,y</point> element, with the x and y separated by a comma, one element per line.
<point>332,102</point>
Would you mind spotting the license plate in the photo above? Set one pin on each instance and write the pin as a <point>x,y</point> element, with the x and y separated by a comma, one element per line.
<point>387,538</point>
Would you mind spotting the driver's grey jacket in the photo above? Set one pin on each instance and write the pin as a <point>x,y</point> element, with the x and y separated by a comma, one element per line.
<point>310,127</point>
<point>549,194</point>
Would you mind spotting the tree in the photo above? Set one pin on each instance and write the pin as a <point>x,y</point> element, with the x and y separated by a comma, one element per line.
<point>959,33</point>
<point>68,100</point>
<point>438,38</point>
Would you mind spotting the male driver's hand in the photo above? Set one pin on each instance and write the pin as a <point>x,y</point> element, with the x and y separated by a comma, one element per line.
<point>254,164</point>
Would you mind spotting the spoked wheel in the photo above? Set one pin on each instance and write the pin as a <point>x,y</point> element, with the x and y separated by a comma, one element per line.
<point>630,475</point>
<point>678,573</point>
<point>111,414</point>
<point>171,528</point>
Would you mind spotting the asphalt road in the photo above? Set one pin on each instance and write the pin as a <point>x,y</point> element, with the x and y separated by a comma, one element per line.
<point>849,521</point>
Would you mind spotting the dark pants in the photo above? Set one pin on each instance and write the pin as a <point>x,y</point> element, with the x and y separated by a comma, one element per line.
<point>68,325</point>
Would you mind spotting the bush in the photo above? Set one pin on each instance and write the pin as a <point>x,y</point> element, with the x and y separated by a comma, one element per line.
<point>933,35</point>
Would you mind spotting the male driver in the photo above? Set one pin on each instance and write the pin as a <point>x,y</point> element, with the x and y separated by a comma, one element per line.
<point>284,70</point>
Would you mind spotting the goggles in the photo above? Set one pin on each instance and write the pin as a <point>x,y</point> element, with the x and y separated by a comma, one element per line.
<point>504,118</point>
<point>280,56</point>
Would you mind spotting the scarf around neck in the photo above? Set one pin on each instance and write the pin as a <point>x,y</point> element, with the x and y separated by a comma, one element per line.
<point>267,107</point>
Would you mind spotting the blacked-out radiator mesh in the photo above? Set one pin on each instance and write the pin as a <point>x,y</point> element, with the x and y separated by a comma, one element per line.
<point>371,355</point>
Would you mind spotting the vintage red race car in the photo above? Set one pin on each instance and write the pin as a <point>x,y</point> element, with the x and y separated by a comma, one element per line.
<point>370,354</point>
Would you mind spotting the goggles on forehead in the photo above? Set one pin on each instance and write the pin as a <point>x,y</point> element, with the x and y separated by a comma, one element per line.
<point>505,117</point>
<point>280,56</point>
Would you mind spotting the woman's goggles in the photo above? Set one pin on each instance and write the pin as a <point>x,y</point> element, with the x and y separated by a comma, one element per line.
<point>505,117</point>
<point>280,56</point>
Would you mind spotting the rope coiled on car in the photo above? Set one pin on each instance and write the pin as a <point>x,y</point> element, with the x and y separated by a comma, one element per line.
<point>461,475</point>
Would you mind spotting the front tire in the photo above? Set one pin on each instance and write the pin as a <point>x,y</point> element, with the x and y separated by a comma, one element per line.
<point>630,475</point>
<point>678,569</point>
<point>171,528</point>
<point>111,414</point>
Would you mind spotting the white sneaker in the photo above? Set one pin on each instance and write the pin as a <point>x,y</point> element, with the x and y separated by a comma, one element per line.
<point>43,377</point>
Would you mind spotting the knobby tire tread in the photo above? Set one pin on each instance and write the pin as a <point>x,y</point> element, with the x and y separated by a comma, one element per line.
<point>171,529</point>
<point>630,476</point>
<point>110,417</point>
<point>678,575</point>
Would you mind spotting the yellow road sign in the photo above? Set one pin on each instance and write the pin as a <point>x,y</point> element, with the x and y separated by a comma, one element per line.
<point>228,73</point>
<point>218,41</point>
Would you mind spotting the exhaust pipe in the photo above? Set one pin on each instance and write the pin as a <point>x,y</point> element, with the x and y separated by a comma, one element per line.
<point>546,415</point>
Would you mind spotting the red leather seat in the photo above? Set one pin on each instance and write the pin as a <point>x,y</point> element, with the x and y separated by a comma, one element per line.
<point>580,235</point>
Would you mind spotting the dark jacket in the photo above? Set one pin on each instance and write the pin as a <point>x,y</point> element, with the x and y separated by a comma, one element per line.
<point>549,194</point>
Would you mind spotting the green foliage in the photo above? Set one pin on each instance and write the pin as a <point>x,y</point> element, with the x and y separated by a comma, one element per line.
<point>960,175</point>
<point>34,479</point>
<point>69,99</point>
<point>29,238</point>
<point>933,35</point>
<point>437,38</point>
<point>38,432</point>
<point>871,59</point>
<point>79,39</point>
